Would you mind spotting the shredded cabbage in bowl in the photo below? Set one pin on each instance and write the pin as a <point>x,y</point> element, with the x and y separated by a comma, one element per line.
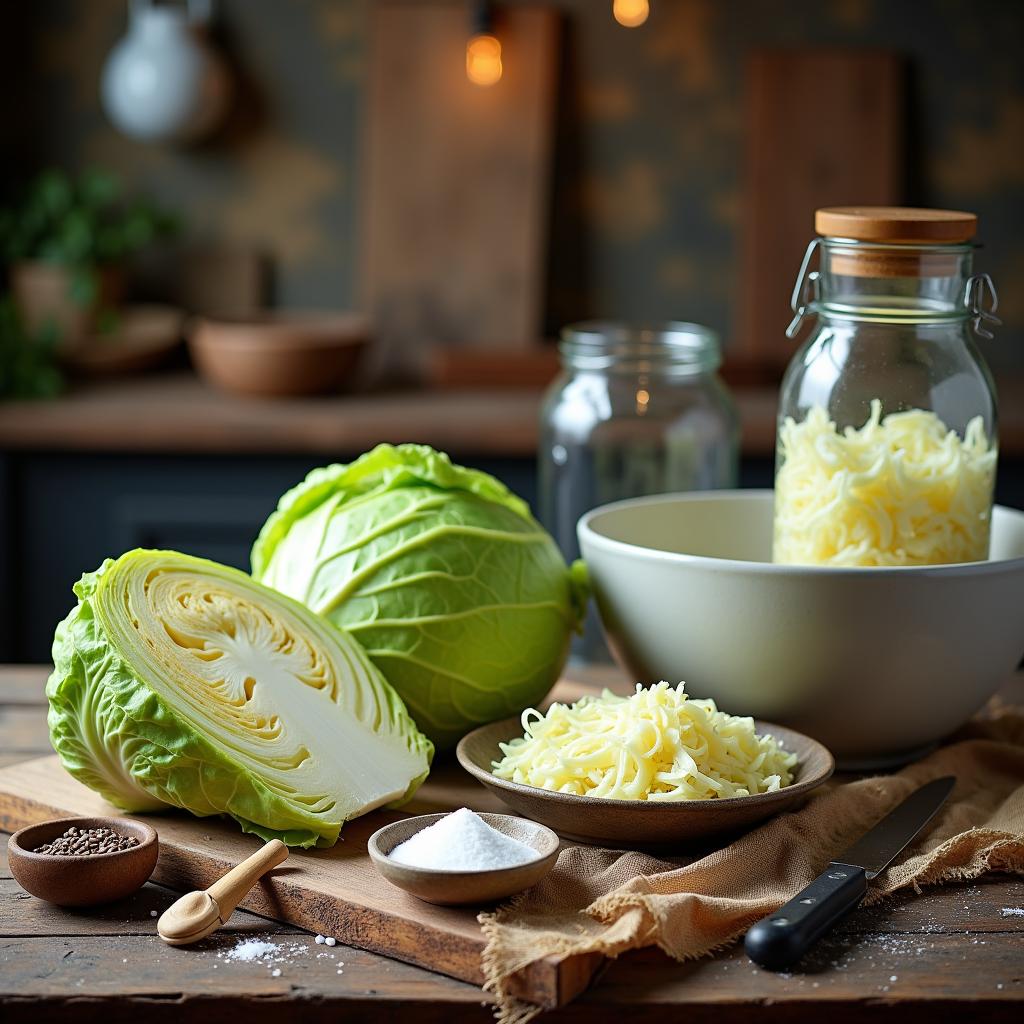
<point>656,744</point>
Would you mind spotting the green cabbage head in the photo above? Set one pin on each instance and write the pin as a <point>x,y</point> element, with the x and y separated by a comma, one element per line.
<point>459,596</point>
<point>181,682</point>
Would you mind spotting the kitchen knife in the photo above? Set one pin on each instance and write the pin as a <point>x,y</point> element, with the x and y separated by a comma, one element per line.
<point>779,940</point>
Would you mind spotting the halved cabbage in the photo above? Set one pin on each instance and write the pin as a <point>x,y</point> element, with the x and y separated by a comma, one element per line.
<point>180,681</point>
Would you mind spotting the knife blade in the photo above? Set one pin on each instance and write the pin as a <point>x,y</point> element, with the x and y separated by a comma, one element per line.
<point>779,940</point>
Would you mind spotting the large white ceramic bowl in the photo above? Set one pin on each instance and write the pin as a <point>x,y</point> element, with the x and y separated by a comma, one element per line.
<point>877,664</point>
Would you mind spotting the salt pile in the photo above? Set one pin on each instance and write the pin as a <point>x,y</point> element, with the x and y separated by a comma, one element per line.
<point>251,949</point>
<point>261,951</point>
<point>462,841</point>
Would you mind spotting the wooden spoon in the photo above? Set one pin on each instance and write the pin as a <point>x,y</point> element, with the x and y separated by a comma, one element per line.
<point>198,914</point>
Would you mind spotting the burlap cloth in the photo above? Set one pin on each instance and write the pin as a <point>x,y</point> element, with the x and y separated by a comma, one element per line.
<point>605,901</point>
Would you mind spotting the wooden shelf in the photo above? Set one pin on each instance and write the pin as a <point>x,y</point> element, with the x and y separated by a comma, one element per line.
<point>176,413</point>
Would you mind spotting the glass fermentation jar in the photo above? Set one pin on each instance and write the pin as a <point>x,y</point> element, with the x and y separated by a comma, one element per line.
<point>636,410</point>
<point>886,446</point>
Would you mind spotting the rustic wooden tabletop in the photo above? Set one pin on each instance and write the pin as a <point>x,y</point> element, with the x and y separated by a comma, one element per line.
<point>949,950</point>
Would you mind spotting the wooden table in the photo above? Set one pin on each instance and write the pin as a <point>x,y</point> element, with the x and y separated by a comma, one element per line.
<point>948,951</point>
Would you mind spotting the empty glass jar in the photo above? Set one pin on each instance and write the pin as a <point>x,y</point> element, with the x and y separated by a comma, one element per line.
<point>637,410</point>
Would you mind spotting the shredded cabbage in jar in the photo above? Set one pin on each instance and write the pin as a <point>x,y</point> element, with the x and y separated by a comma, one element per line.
<point>903,490</point>
<point>656,744</point>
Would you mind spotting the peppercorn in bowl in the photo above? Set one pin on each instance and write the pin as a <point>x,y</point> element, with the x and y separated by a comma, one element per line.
<point>82,862</point>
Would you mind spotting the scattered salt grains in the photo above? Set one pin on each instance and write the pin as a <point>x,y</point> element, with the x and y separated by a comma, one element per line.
<point>272,954</point>
<point>1012,912</point>
<point>269,954</point>
<point>152,913</point>
<point>893,977</point>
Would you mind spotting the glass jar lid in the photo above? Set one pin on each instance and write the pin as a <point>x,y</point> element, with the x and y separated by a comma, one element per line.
<point>672,346</point>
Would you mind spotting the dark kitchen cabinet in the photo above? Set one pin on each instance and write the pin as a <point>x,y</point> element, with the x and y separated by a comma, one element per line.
<point>62,513</point>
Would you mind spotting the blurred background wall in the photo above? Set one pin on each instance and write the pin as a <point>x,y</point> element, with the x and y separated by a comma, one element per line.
<point>647,199</point>
<point>656,208</point>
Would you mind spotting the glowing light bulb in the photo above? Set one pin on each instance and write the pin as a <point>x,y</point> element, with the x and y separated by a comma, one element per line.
<point>631,13</point>
<point>483,59</point>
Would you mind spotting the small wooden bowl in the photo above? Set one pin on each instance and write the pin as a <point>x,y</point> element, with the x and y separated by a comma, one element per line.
<point>628,823</point>
<point>459,888</point>
<point>142,337</point>
<point>82,881</point>
<point>279,353</point>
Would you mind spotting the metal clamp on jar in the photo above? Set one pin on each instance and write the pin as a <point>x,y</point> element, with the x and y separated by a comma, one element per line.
<point>886,449</point>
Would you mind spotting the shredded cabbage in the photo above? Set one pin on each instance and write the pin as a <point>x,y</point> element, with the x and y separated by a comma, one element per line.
<point>903,490</point>
<point>656,744</point>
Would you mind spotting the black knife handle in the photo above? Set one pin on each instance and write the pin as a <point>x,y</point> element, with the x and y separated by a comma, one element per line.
<point>779,940</point>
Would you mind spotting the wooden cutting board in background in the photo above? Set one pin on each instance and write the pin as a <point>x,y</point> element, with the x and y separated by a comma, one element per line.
<point>456,180</point>
<point>823,128</point>
<point>334,892</point>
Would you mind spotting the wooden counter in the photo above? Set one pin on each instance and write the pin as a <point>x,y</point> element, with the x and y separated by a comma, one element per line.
<point>175,413</point>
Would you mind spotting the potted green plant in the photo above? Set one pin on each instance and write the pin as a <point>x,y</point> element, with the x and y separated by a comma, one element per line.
<point>28,367</point>
<point>65,246</point>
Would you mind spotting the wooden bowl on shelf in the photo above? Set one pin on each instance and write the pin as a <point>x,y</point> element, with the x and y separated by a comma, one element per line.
<point>279,353</point>
<point>141,338</point>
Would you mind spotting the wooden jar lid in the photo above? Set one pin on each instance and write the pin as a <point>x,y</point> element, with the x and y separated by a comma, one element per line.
<point>895,224</point>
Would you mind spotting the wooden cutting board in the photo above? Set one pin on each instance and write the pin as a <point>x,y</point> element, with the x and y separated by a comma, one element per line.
<point>456,176</point>
<point>823,128</point>
<point>334,892</point>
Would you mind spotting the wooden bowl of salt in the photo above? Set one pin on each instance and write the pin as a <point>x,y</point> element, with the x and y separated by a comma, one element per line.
<point>463,858</point>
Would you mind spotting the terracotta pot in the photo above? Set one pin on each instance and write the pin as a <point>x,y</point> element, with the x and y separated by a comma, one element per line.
<point>43,294</point>
<point>279,353</point>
